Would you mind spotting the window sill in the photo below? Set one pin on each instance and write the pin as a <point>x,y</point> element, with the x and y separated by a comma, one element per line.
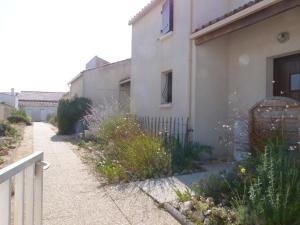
<point>165,106</point>
<point>166,36</point>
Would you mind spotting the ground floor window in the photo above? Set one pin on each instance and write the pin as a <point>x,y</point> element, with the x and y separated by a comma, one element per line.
<point>166,92</point>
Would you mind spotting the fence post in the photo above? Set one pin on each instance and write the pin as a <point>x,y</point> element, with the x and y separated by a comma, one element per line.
<point>38,194</point>
<point>5,202</point>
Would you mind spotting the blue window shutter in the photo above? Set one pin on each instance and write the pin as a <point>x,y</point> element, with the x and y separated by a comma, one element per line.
<point>167,16</point>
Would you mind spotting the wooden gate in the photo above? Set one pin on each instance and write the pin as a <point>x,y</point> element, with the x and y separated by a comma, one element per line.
<point>276,116</point>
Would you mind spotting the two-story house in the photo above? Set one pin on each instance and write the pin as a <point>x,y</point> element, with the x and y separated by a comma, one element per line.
<point>191,57</point>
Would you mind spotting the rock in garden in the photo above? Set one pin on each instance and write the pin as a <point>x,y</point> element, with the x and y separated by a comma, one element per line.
<point>207,212</point>
<point>206,221</point>
<point>198,216</point>
<point>210,201</point>
<point>12,146</point>
<point>186,206</point>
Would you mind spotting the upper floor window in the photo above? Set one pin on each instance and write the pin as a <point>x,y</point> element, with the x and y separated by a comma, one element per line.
<point>167,16</point>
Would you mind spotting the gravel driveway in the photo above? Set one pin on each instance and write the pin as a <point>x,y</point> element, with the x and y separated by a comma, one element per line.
<point>72,195</point>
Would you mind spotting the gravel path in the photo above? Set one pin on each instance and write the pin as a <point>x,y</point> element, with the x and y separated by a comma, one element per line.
<point>73,196</point>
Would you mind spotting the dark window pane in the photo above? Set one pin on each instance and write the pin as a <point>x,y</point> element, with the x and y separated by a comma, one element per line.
<point>295,82</point>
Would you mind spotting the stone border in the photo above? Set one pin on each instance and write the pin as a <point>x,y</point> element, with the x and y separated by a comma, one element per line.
<point>177,215</point>
<point>171,210</point>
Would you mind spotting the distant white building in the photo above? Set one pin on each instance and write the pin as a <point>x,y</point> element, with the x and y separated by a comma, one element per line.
<point>38,104</point>
<point>9,98</point>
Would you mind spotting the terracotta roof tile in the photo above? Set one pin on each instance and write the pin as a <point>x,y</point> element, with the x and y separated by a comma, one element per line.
<point>40,96</point>
<point>235,11</point>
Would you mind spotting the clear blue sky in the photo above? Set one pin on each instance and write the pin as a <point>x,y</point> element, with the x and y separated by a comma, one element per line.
<point>44,43</point>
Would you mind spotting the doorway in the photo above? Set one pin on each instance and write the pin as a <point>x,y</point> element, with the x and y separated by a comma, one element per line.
<point>287,77</point>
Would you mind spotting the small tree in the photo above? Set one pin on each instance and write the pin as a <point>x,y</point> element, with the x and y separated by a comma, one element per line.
<point>70,111</point>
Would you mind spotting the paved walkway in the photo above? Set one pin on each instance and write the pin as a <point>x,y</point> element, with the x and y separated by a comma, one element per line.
<point>72,196</point>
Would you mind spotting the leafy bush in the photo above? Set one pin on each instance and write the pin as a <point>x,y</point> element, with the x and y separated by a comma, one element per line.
<point>183,196</point>
<point>129,153</point>
<point>274,195</point>
<point>263,190</point>
<point>19,116</point>
<point>70,111</point>
<point>52,119</point>
<point>6,129</point>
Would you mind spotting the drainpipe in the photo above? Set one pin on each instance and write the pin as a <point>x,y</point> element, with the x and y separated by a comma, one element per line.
<point>191,42</point>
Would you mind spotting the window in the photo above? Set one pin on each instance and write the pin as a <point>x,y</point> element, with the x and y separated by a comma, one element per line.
<point>166,93</point>
<point>295,82</point>
<point>167,17</point>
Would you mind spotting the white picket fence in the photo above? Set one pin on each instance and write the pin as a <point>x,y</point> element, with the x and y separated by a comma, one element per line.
<point>24,181</point>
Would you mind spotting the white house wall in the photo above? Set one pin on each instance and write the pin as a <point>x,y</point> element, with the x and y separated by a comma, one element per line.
<point>211,90</point>
<point>39,113</point>
<point>235,72</point>
<point>102,85</point>
<point>76,88</point>
<point>152,56</point>
<point>251,50</point>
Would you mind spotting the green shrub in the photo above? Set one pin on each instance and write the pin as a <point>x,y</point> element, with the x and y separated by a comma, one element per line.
<point>112,171</point>
<point>126,146</point>
<point>183,196</point>
<point>118,128</point>
<point>274,196</point>
<point>19,116</point>
<point>52,119</point>
<point>70,111</point>
<point>6,129</point>
<point>82,144</point>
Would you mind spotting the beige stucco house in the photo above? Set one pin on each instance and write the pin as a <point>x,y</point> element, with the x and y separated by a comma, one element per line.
<point>191,58</point>
<point>104,83</point>
<point>38,104</point>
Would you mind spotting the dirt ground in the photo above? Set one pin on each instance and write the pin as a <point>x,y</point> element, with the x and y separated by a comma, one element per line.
<point>24,146</point>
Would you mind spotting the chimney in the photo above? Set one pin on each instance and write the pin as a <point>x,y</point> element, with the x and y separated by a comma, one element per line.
<point>12,92</point>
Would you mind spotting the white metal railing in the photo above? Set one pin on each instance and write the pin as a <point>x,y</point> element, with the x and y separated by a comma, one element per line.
<point>27,175</point>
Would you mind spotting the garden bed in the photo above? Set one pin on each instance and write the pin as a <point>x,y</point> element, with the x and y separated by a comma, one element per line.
<point>261,190</point>
<point>10,141</point>
<point>121,151</point>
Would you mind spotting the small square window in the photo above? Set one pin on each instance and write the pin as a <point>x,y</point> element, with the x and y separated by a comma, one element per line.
<point>166,85</point>
<point>295,82</point>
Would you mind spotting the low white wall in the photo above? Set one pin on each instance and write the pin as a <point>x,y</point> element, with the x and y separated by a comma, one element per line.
<point>9,99</point>
<point>5,111</point>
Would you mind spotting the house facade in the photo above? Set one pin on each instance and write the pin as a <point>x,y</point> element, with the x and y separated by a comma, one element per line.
<point>39,105</point>
<point>104,83</point>
<point>209,59</point>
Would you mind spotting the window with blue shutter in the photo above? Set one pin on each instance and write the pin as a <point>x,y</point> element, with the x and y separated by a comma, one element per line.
<point>167,17</point>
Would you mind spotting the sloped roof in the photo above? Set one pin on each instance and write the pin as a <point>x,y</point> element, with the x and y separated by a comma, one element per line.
<point>144,11</point>
<point>224,16</point>
<point>40,96</point>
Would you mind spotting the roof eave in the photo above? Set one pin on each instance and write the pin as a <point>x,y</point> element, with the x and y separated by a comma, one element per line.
<point>144,11</point>
<point>235,17</point>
